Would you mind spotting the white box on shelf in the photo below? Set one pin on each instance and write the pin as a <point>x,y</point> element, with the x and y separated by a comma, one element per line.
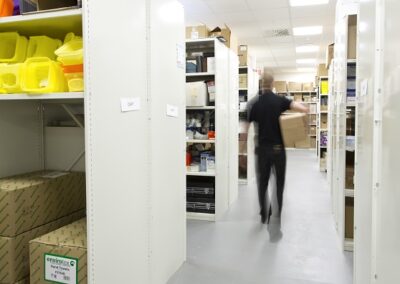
<point>243,105</point>
<point>196,94</point>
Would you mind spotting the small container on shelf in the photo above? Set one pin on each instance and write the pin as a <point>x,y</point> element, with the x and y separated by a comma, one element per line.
<point>13,47</point>
<point>71,52</point>
<point>43,46</point>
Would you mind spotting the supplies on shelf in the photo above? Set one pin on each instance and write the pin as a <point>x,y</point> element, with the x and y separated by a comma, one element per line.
<point>324,87</point>
<point>313,108</point>
<point>29,6</point>
<point>13,47</point>
<point>6,8</point>
<point>324,139</point>
<point>10,78</point>
<point>43,46</point>
<point>199,62</point>
<point>350,143</point>
<point>200,194</point>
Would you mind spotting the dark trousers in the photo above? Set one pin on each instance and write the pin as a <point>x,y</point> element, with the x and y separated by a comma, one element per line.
<point>270,158</point>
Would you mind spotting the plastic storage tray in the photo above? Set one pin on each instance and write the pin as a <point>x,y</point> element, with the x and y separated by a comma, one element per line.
<point>43,46</point>
<point>10,78</point>
<point>12,47</point>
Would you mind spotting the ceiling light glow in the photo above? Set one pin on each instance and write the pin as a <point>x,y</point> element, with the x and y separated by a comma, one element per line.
<point>307,48</point>
<point>299,3</point>
<point>307,69</point>
<point>304,31</point>
<point>306,61</point>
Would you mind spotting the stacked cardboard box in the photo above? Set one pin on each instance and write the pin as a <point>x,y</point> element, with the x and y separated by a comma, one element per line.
<point>31,205</point>
<point>60,256</point>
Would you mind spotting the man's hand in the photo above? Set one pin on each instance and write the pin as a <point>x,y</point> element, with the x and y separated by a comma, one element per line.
<point>299,107</point>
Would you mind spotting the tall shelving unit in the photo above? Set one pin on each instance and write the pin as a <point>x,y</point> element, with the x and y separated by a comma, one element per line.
<point>323,122</point>
<point>135,189</point>
<point>210,192</point>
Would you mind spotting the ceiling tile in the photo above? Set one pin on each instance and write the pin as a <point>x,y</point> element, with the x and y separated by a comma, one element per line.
<point>195,6</point>
<point>227,6</point>
<point>264,5</point>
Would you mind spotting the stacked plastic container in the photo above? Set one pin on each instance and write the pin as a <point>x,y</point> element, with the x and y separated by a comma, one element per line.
<point>41,64</point>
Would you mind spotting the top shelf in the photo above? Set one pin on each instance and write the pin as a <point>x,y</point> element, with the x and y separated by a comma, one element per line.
<point>199,74</point>
<point>53,23</point>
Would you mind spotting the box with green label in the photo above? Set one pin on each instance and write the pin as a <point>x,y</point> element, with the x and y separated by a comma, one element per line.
<point>60,256</point>
<point>14,251</point>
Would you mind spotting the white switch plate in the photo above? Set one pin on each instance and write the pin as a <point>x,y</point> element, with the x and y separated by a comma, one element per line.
<point>172,111</point>
<point>130,104</point>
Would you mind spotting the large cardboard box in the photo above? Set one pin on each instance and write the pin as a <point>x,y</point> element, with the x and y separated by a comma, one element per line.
<point>295,87</point>
<point>294,129</point>
<point>304,144</point>
<point>243,55</point>
<point>223,34</point>
<point>330,51</point>
<point>308,87</point>
<point>352,38</point>
<point>280,86</point>
<point>196,94</point>
<point>322,71</point>
<point>14,252</point>
<point>196,32</point>
<point>349,218</point>
<point>60,256</point>
<point>32,200</point>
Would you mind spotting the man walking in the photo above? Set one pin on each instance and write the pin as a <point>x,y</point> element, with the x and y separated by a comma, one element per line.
<point>265,110</point>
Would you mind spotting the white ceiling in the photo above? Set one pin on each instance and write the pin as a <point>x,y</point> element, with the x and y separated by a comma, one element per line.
<point>250,19</point>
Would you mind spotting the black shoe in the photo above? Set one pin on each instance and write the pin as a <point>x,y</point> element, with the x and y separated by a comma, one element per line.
<point>263,217</point>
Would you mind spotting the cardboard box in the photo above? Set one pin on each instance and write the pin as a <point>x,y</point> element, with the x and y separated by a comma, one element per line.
<point>313,142</point>
<point>349,218</point>
<point>243,147</point>
<point>308,87</point>
<point>280,86</point>
<point>38,198</point>
<point>243,55</point>
<point>298,98</point>
<point>243,81</point>
<point>67,247</point>
<point>294,129</point>
<point>224,34</point>
<point>352,38</point>
<point>330,52</point>
<point>196,32</point>
<point>14,260</point>
<point>313,130</point>
<point>243,137</point>
<point>322,71</point>
<point>313,119</point>
<point>305,144</point>
<point>23,281</point>
<point>324,121</point>
<point>295,87</point>
<point>196,94</point>
<point>349,183</point>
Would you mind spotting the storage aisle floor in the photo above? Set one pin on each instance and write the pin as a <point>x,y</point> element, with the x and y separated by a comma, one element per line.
<point>238,250</point>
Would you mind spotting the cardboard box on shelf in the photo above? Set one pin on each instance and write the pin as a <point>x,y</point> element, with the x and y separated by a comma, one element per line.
<point>196,32</point>
<point>67,247</point>
<point>349,183</point>
<point>313,142</point>
<point>295,87</point>
<point>352,38</point>
<point>280,87</point>
<point>243,54</point>
<point>313,130</point>
<point>243,81</point>
<point>243,147</point>
<point>349,218</point>
<point>196,94</point>
<point>243,137</point>
<point>324,121</point>
<point>223,34</point>
<point>330,51</point>
<point>14,260</point>
<point>322,71</point>
<point>308,87</point>
<point>34,199</point>
<point>298,97</point>
<point>293,129</point>
<point>313,118</point>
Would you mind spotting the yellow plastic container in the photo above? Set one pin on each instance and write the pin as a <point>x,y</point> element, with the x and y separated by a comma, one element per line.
<point>42,75</point>
<point>75,82</point>
<point>71,52</point>
<point>12,47</point>
<point>43,46</point>
<point>10,78</point>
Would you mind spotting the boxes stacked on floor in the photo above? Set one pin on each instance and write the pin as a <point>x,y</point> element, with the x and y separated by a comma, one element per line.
<point>60,256</point>
<point>200,194</point>
<point>30,66</point>
<point>32,205</point>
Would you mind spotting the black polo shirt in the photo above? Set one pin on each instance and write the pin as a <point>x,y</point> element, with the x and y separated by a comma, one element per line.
<point>265,110</point>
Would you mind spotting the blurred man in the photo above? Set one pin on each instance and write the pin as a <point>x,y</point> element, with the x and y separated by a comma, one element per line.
<point>265,110</point>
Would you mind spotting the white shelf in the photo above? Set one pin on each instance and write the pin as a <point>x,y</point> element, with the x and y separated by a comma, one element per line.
<point>351,104</point>
<point>243,67</point>
<point>199,74</point>
<point>198,141</point>
<point>349,192</point>
<point>200,216</point>
<point>201,108</point>
<point>242,154</point>
<point>199,40</point>
<point>242,181</point>
<point>324,95</point>
<point>45,15</point>
<point>52,96</point>
<point>324,111</point>
<point>351,60</point>
<point>323,129</point>
<point>348,245</point>
<point>201,174</point>
<point>243,89</point>
<point>323,147</point>
<point>242,110</point>
<point>312,135</point>
<point>302,92</point>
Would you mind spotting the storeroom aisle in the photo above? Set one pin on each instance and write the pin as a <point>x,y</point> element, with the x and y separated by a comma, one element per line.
<point>238,250</point>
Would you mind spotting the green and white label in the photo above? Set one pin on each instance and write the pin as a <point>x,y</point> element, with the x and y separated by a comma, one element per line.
<point>60,269</point>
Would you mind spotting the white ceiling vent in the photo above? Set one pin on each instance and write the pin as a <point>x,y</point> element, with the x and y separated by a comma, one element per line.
<point>276,33</point>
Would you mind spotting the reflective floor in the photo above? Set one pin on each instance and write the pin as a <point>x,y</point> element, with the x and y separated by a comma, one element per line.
<point>239,250</point>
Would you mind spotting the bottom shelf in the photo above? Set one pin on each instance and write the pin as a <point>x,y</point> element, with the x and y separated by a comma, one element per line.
<point>242,181</point>
<point>349,245</point>
<point>200,216</point>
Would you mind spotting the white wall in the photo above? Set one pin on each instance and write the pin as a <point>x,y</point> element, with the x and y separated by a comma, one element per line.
<point>295,77</point>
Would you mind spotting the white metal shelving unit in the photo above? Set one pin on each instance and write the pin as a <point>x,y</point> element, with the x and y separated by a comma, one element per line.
<point>322,149</point>
<point>226,124</point>
<point>145,210</point>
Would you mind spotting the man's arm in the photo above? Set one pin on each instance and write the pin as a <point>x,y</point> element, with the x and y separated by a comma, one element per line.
<point>299,107</point>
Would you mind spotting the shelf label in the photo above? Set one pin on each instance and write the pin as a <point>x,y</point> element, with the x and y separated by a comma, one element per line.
<point>130,104</point>
<point>60,269</point>
<point>172,111</point>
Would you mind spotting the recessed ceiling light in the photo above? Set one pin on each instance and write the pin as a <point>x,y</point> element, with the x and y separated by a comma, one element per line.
<point>312,30</point>
<point>297,3</point>
<point>307,48</point>
<point>306,61</point>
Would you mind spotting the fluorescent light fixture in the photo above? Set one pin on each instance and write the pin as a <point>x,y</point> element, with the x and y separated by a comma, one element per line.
<point>298,3</point>
<point>307,48</point>
<point>306,61</point>
<point>304,31</point>
<point>307,69</point>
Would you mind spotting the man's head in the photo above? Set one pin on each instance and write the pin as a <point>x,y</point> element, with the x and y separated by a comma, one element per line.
<point>267,81</point>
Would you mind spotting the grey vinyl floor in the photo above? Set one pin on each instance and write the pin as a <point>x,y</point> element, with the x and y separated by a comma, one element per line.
<point>239,250</point>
